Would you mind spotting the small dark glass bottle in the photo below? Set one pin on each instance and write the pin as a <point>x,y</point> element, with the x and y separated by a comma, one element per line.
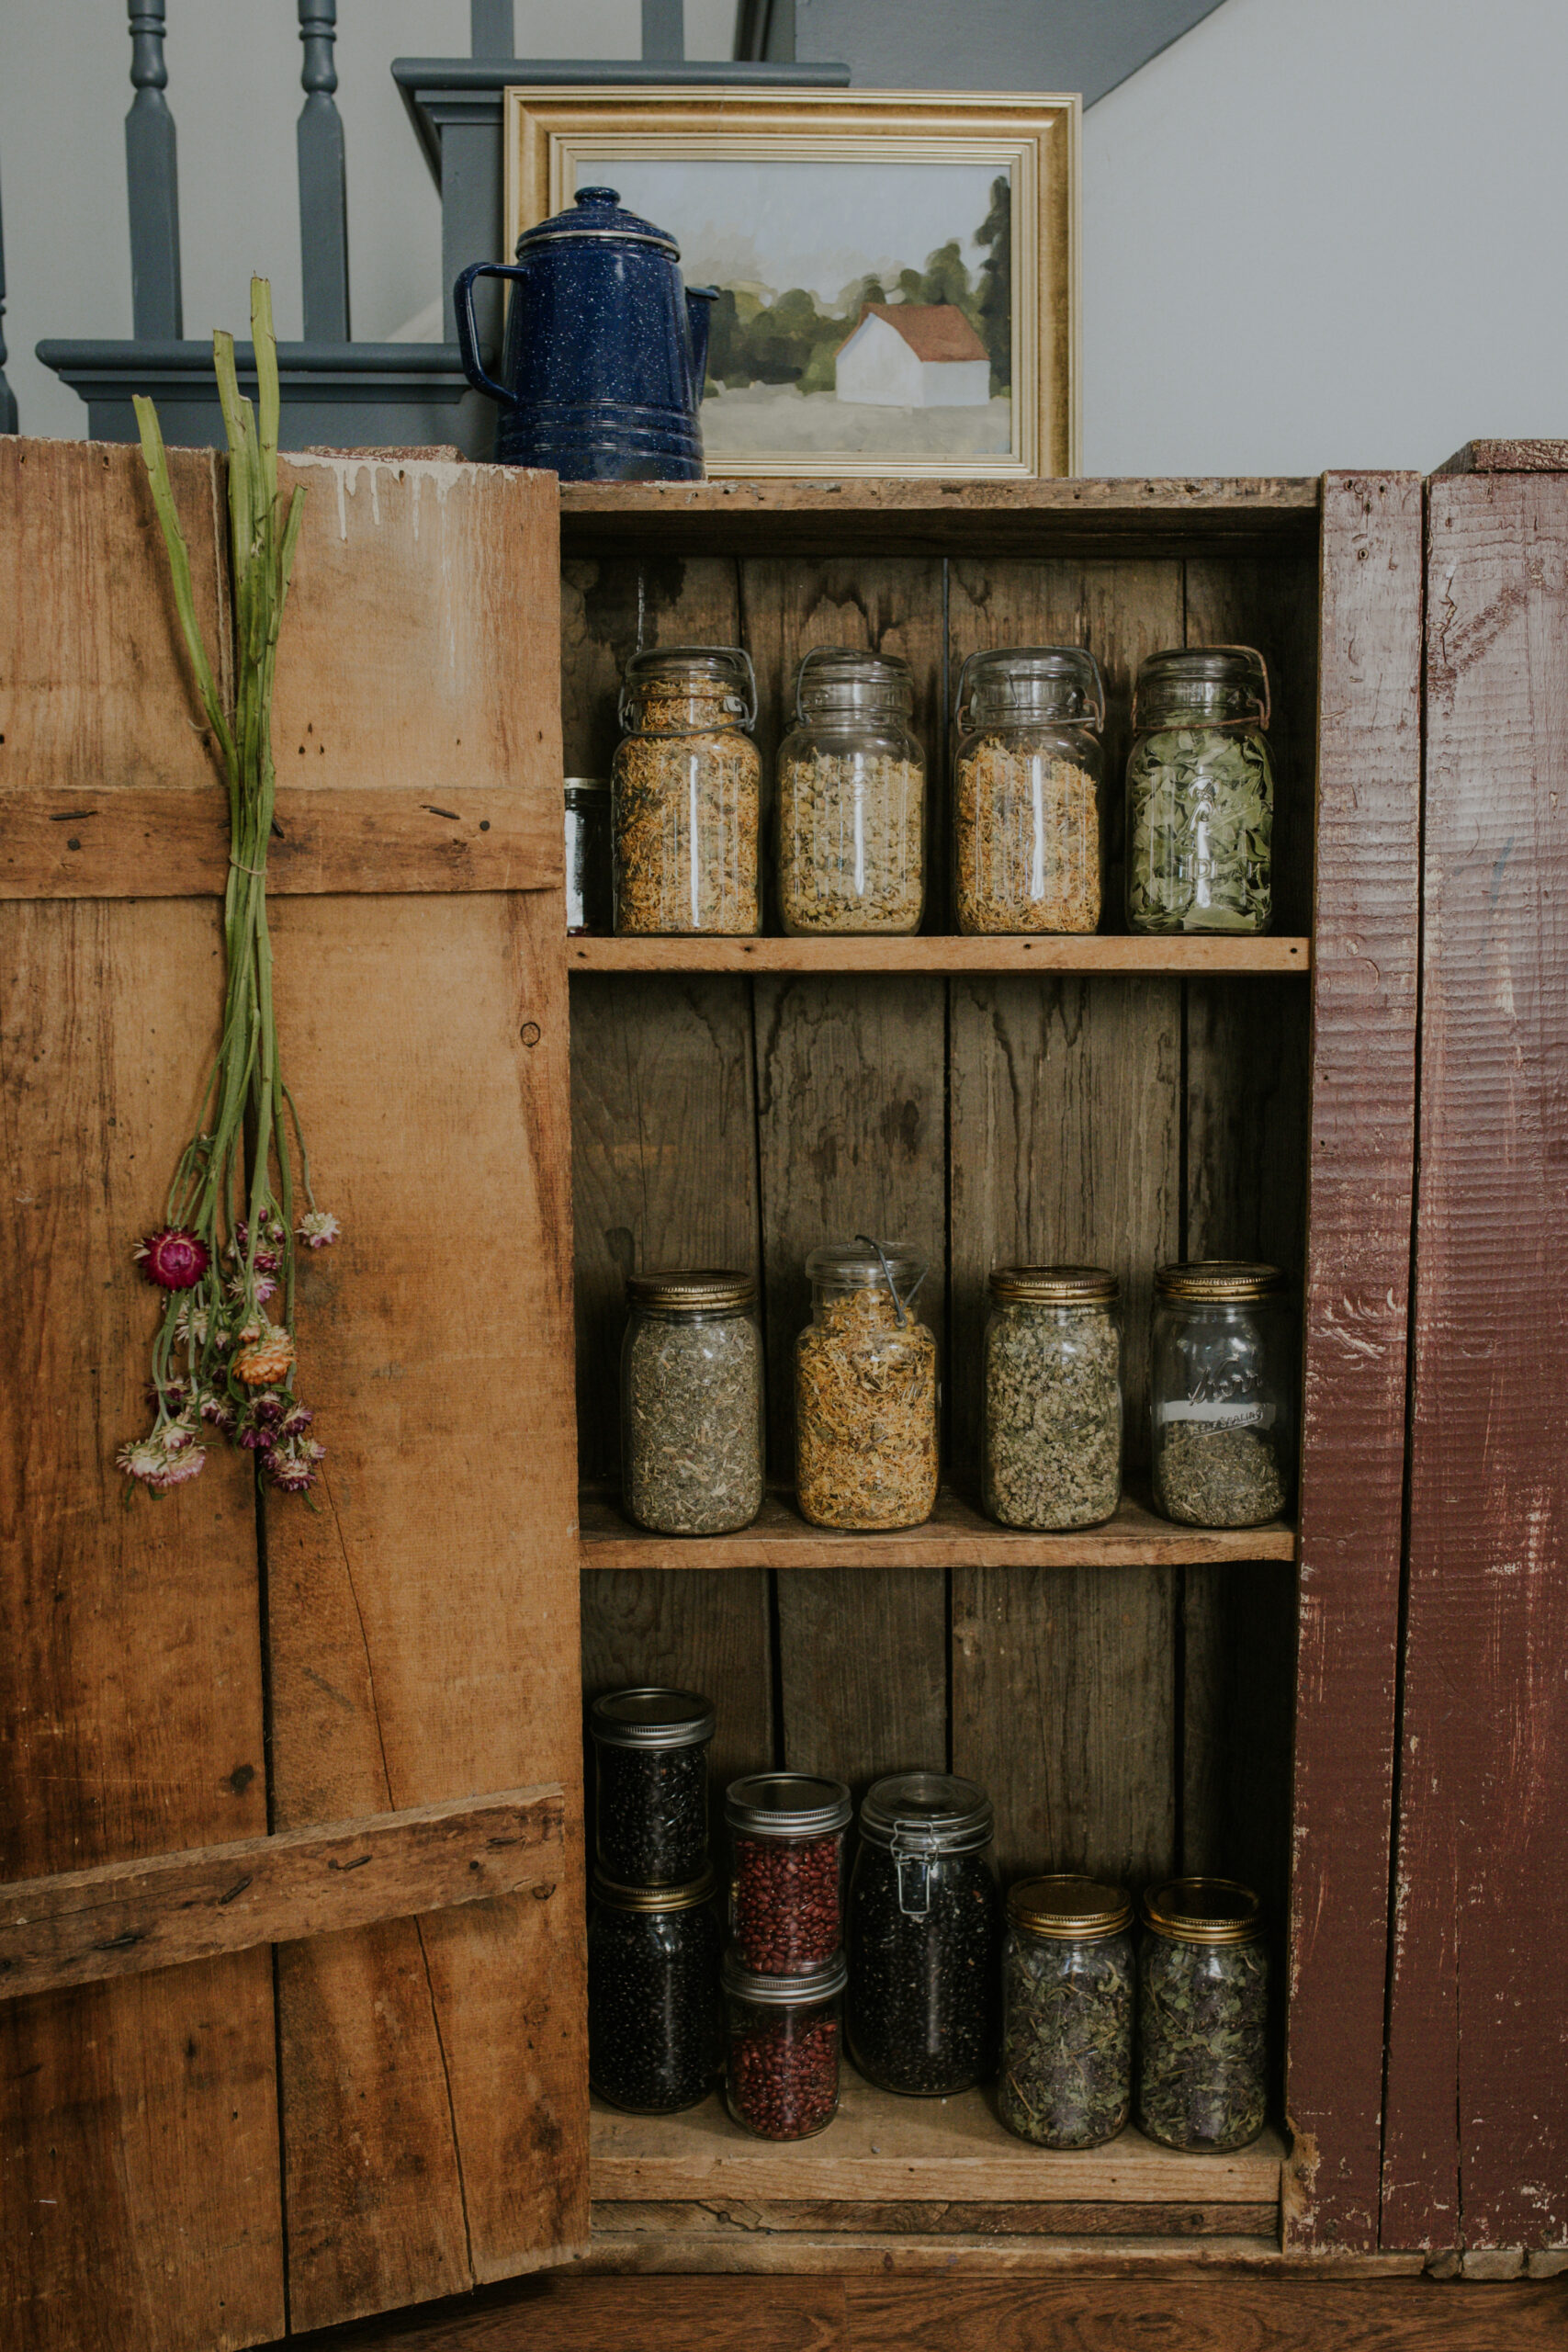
<point>651,1792</point>
<point>653,2018</point>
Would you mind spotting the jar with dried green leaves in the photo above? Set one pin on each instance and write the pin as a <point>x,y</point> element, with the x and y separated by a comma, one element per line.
<point>1222,1426</point>
<point>686,786</point>
<point>1201,793</point>
<point>1027,776</point>
<point>1067,1984</point>
<point>866,1391</point>
<point>852,798</point>
<point>691,1402</point>
<point>1052,1445</point>
<point>1202,2016</point>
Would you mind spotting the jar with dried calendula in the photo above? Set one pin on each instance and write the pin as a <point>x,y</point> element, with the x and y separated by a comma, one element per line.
<point>686,790</point>
<point>1027,775</point>
<point>852,783</point>
<point>866,1391</point>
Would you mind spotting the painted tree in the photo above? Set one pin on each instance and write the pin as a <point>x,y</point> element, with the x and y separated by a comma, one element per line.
<point>994,320</point>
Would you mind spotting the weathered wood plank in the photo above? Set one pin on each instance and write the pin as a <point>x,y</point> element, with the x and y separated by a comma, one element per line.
<point>1054,2217</point>
<point>164,1910</point>
<point>1508,458</point>
<point>1104,952</point>
<point>990,2268</point>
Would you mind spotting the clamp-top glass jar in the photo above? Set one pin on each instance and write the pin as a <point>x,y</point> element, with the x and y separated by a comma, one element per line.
<point>1027,778</point>
<point>650,1813</point>
<point>688,793</point>
<point>1067,2076</point>
<point>866,1391</point>
<point>653,2021</point>
<point>1052,1452</point>
<point>1202,2016</point>
<point>851,793</point>
<point>924,1919</point>
<point>1221,1427</point>
<point>692,1403</point>
<point>1200,794</point>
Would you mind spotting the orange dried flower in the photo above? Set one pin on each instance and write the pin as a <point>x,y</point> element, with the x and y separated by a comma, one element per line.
<point>266,1359</point>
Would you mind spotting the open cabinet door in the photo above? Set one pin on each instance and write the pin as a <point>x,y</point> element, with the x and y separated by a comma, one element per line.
<point>390,2103</point>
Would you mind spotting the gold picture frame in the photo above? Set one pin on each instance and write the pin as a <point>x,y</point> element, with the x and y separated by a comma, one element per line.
<point>557,140</point>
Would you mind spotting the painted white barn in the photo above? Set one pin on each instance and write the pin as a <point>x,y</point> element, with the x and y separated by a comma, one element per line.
<point>913,354</point>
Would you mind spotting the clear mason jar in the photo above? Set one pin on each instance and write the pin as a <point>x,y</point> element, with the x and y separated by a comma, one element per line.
<point>865,1392</point>
<point>686,786</point>
<point>1067,1999</point>
<point>780,2048</point>
<point>692,1403</point>
<point>589,890</point>
<point>924,1920</point>
<point>1052,1408</point>
<point>650,1804</point>
<point>653,2014</point>
<point>1200,794</point>
<point>851,796</point>
<point>1222,1422</point>
<point>1028,771</point>
<point>786,1836</point>
<point>1202,2016</point>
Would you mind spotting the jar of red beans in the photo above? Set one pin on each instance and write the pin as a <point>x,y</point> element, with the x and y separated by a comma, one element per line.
<point>780,2039</point>
<point>787,1833</point>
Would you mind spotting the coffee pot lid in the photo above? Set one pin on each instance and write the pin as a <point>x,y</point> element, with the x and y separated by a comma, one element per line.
<point>597,212</point>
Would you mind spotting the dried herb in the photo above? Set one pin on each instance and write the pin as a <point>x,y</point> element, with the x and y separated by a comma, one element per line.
<point>1052,1444</point>
<point>687,798</point>
<point>1199,830</point>
<point>865,1415</point>
<point>652,1813</point>
<point>653,2038</point>
<point>1202,2040</point>
<point>1027,838</point>
<point>923,1996</point>
<point>692,1429</point>
<point>1067,2075</point>
<point>1213,1474</point>
<point>852,843</point>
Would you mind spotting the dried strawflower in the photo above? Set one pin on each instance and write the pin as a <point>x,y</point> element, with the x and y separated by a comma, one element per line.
<point>173,1259</point>
<point>318,1229</point>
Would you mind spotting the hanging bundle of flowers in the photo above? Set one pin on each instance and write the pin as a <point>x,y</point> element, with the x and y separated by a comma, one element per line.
<point>241,1203</point>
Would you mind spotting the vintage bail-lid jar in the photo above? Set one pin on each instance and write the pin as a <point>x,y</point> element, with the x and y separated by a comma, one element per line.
<point>1067,1988</point>
<point>1222,1426</point>
<point>852,798</point>
<point>1027,778</point>
<point>691,1402</point>
<point>1200,840</point>
<point>687,788</point>
<point>1202,2015</point>
<point>1052,1404</point>
<point>924,1921</point>
<point>866,1391</point>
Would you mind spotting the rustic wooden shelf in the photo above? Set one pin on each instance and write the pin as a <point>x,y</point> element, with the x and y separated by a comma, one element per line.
<point>1185,958</point>
<point>955,1536</point>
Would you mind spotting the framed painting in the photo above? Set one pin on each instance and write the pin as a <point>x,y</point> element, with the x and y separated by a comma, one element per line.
<point>898,272</point>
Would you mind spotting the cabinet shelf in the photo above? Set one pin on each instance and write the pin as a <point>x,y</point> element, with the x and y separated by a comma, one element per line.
<point>1181,958</point>
<point>955,1536</point>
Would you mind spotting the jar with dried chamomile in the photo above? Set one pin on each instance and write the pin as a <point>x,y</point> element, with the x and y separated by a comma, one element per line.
<point>852,794</point>
<point>687,788</point>
<point>866,1391</point>
<point>1027,778</point>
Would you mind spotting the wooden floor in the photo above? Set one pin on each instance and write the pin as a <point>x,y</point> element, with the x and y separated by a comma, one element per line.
<point>1178,2312</point>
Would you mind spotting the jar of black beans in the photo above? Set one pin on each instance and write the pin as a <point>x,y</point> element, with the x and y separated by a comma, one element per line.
<point>651,1797</point>
<point>653,2021</point>
<point>925,1928</point>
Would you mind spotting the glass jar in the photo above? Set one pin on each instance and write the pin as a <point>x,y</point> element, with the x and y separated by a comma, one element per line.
<point>686,786</point>
<point>692,1403</point>
<point>1052,1408</point>
<point>651,1810</point>
<point>925,1920</point>
<point>1222,1435</point>
<point>851,792</point>
<point>1202,2016</point>
<point>866,1391</point>
<point>1066,2073</point>
<point>589,893</point>
<point>1200,794</point>
<point>1026,803</point>
<point>653,1960</point>
<point>786,1833</point>
<point>780,2048</point>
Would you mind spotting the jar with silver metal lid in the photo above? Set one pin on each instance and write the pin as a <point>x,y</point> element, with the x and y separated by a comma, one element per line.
<point>651,1810</point>
<point>686,785</point>
<point>852,798</point>
<point>1221,1393</point>
<point>589,896</point>
<point>653,2016</point>
<point>1067,1999</point>
<point>1202,2016</point>
<point>786,1833</point>
<point>691,1402</point>
<point>865,1390</point>
<point>782,2035</point>
<point>1201,793</point>
<point>1027,778</point>
<point>1051,1421</point>
<point>924,1920</point>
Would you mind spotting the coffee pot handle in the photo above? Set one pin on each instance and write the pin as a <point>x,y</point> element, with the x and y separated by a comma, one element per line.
<point>468,330</point>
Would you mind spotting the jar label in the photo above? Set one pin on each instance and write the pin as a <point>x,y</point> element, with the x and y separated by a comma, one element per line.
<point>1240,1414</point>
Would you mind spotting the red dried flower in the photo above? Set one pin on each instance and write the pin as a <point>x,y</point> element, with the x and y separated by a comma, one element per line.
<point>172,1259</point>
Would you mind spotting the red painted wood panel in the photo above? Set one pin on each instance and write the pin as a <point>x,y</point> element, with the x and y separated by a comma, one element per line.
<point>1477,2140</point>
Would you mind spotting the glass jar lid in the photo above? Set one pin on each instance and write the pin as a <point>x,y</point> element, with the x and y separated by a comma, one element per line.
<point>841,679</point>
<point>818,1983</point>
<point>1082,1910</point>
<point>703,1286</point>
<point>597,212</point>
<point>1217,1280</point>
<point>1017,682</point>
<point>1218,685</point>
<point>926,1813</point>
<point>786,1805</point>
<point>578,785</point>
<point>1203,1911</point>
<point>615,1897</point>
<point>860,1264</point>
<point>650,1717</point>
<point>1055,1285</point>
<point>654,682</point>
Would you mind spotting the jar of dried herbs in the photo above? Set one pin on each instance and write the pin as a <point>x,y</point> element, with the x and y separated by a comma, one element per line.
<point>1027,776</point>
<point>686,791</point>
<point>653,2016</point>
<point>650,1799</point>
<point>924,1921</point>
<point>1052,1445</point>
<point>786,1835</point>
<point>866,1391</point>
<point>1200,794</point>
<point>1222,1428</point>
<point>781,2037</point>
<point>1202,2016</point>
<point>692,1403</point>
<point>1066,2073</point>
<point>852,797</point>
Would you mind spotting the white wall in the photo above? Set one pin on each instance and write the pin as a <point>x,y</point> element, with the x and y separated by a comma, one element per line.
<point>1315,231</point>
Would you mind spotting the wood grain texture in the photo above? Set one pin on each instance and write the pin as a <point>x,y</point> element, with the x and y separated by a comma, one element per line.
<point>1508,458</point>
<point>1362,1114</point>
<point>912,2217</point>
<point>935,952</point>
<point>1477,2144</point>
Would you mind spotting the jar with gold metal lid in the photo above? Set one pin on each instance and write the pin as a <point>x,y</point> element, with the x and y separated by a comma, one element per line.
<point>1067,1997</point>
<point>686,793</point>
<point>691,1402</point>
<point>1201,793</point>
<point>1202,2016</point>
<point>1222,1423</point>
<point>653,2016</point>
<point>1052,1356</point>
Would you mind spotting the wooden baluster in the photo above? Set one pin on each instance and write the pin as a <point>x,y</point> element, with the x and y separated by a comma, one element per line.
<point>663,31</point>
<point>491,29</point>
<point>323,180</point>
<point>7,396</point>
<point>152,183</point>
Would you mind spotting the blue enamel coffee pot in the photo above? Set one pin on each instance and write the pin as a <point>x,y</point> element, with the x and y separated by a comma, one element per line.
<point>605,351</point>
